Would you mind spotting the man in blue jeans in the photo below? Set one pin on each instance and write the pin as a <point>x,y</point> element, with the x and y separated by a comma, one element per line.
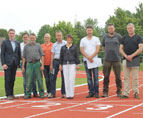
<point>89,47</point>
<point>55,62</point>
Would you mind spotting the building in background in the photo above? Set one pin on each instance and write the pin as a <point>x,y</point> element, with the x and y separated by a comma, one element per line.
<point>1,39</point>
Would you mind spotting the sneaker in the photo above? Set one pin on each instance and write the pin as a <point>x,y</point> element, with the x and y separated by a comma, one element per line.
<point>27,97</point>
<point>136,95</point>
<point>10,98</point>
<point>52,96</point>
<point>63,95</point>
<point>90,95</point>
<point>15,97</point>
<point>96,96</point>
<point>119,95</point>
<point>42,96</point>
<point>105,95</point>
<point>124,97</point>
<point>35,95</point>
<point>69,97</point>
<point>48,95</point>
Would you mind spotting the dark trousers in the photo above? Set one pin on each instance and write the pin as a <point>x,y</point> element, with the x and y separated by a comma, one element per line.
<point>24,81</point>
<point>47,78</point>
<point>92,86</point>
<point>9,80</point>
<point>54,78</point>
<point>117,71</point>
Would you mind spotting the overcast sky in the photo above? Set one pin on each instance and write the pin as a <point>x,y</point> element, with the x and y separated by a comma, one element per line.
<point>32,14</point>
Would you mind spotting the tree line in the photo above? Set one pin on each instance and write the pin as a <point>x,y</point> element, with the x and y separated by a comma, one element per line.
<point>120,19</point>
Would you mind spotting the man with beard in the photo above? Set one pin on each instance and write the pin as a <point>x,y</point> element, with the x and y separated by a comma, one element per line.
<point>111,43</point>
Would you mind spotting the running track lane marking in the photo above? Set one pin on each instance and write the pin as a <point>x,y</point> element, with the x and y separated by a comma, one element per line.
<point>68,107</point>
<point>45,100</point>
<point>51,99</point>
<point>125,110</point>
<point>79,105</point>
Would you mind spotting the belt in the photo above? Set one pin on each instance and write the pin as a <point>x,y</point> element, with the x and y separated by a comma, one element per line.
<point>57,59</point>
<point>34,61</point>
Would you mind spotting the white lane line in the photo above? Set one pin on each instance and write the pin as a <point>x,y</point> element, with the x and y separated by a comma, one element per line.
<point>58,89</point>
<point>48,99</point>
<point>72,106</point>
<point>90,111</point>
<point>126,109</point>
<point>68,107</point>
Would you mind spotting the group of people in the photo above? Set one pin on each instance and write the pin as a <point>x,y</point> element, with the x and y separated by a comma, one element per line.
<point>48,59</point>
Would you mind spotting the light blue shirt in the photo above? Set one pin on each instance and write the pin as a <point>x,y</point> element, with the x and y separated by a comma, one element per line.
<point>57,48</point>
<point>13,44</point>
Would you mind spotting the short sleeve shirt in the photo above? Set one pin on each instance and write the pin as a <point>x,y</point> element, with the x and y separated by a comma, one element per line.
<point>32,52</point>
<point>89,45</point>
<point>131,44</point>
<point>111,46</point>
<point>57,48</point>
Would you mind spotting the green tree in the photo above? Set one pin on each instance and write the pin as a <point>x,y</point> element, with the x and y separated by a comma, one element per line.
<point>65,28</point>
<point>94,24</point>
<point>19,36</point>
<point>40,36</point>
<point>139,16</point>
<point>122,17</point>
<point>3,33</point>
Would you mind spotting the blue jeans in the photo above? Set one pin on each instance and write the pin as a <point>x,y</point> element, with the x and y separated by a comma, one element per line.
<point>47,78</point>
<point>24,81</point>
<point>92,86</point>
<point>56,64</point>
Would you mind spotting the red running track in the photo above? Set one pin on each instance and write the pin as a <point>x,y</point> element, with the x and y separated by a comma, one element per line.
<point>79,107</point>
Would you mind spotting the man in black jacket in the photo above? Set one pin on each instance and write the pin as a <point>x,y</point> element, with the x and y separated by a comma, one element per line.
<point>10,58</point>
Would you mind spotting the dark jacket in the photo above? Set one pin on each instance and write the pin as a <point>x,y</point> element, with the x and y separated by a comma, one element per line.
<point>70,55</point>
<point>8,56</point>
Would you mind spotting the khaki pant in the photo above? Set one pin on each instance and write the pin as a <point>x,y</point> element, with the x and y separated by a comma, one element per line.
<point>135,82</point>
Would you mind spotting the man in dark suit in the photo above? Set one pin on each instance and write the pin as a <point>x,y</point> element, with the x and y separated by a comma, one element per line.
<point>10,58</point>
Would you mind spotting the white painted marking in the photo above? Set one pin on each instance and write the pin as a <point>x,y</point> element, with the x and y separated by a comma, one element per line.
<point>49,99</point>
<point>46,106</point>
<point>58,89</point>
<point>72,106</point>
<point>68,107</point>
<point>7,102</point>
<point>89,111</point>
<point>100,107</point>
<point>125,110</point>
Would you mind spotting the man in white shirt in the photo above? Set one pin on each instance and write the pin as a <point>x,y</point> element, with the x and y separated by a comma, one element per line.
<point>89,47</point>
<point>25,38</point>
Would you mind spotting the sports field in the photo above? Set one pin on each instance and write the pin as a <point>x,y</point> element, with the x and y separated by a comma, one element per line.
<point>79,107</point>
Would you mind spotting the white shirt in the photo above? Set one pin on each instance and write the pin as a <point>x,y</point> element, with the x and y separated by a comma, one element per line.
<point>13,44</point>
<point>89,45</point>
<point>22,45</point>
